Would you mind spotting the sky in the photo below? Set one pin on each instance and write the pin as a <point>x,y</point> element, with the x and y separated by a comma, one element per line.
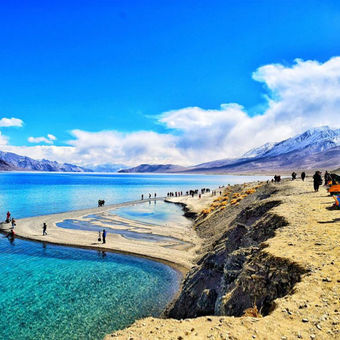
<point>183,82</point>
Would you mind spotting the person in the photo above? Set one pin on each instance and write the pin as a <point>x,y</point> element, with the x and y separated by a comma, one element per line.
<point>327,177</point>
<point>99,237</point>
<point>13,222</point>
<point>142,197</point>
<point>293,175</point>
<point>317,180</point>
<point>44,229</point>
<point>303,175</point>
<point>149,196</point>
<point>104,236</point>
<point>8,217</point>
<point>155,195</point>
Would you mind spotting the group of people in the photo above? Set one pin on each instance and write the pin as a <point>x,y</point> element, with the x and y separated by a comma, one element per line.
<point>150,196</point>
<point>10,220</point>
<point>317,178</point>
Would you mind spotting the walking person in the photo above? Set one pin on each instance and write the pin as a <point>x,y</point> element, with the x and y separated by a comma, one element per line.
<point>317,180</point>
<point>104,236</point>
<point>44,229</point>
<point>13,223</point>
<point>303,176</point>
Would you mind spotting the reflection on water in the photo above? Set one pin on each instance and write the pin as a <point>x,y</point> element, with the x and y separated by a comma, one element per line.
<point>160,213</point>
<point>54,292</point>
<point>143,236</point>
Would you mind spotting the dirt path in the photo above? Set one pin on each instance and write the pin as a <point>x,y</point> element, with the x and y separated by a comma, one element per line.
<point>311,311</point>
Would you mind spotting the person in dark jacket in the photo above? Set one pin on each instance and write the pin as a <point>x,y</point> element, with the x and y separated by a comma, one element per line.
<point>317,180</point>
<point>104,236</point>
<point>303,175</point>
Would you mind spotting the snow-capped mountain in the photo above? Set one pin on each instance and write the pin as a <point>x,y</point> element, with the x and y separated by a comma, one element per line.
<point>256,152</point>
<point>17,162</point>
<point>311,141</point>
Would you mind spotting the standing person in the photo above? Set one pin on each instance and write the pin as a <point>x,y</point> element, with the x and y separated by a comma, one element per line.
<point>99,237</point>
<point>44,229</point>
<point>142,197</point>
<point>104,236</point>
<point>149,196</point>
<point>8,217</point>
<point>317,180</point>
<point>303,175</point>
<point>13,223</point>
<point>327,177</point>
<point>155,195</point>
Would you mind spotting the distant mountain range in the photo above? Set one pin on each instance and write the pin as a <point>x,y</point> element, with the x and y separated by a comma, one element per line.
<point>317,148</point>
<point>10,162</point>
<point>161,168</point>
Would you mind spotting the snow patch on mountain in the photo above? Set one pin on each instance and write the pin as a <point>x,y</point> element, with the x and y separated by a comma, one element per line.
<point>311,141</point>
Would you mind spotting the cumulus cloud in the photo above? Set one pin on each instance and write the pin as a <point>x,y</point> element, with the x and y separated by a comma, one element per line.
<point>48,140</point>
<point>9,122</point>
<point>303,95</point>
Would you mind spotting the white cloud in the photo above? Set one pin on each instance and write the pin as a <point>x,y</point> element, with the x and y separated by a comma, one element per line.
<point>3,140</point>
<point>9,122</point>
<point>303,95</point>
<point>49,140</point>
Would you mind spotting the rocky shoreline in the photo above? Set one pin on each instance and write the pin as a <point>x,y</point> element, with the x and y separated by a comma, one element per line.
<point>249,279</point>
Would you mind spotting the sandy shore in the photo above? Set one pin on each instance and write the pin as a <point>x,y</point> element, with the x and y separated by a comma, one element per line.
<point>176,247</point>
<point>310,240</point>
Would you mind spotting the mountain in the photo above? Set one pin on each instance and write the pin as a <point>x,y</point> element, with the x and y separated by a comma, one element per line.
<point>317,148</point>
<point>312,141</point>
<point>256,152</point>
<point>17,162</point>
<point>157,168</point>
<point>107,167</point>
<point>4,166</point>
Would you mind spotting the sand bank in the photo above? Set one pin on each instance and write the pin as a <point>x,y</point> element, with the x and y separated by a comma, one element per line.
<point>176,247</point>
<point>308,239</point>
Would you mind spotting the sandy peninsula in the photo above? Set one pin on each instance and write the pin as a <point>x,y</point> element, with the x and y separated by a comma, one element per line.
<point>176,247</point>
<point>279,280</point>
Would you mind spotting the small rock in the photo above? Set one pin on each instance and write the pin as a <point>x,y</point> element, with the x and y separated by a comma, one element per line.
<point>209,319</point>
<point>318,327</point>
<point>192,329</point>
<point>180,338</point>
<point>305,320</point>
<point>312,336</point>
<point>253,336</point>
<point>326,279</point>
<point>283,338</point>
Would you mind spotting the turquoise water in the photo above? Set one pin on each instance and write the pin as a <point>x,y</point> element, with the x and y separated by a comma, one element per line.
<point>32,194</point>
<point>53,292</point>
<point>161,213</point>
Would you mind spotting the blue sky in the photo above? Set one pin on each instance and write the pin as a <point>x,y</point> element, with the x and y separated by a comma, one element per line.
<point>96,66</point>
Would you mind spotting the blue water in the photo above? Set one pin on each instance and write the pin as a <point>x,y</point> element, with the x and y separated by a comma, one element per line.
<point>161,213</point>
<point>32,194</point>
<point>133,235</point>
<point>53,292</point>
<point>56,292</point>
